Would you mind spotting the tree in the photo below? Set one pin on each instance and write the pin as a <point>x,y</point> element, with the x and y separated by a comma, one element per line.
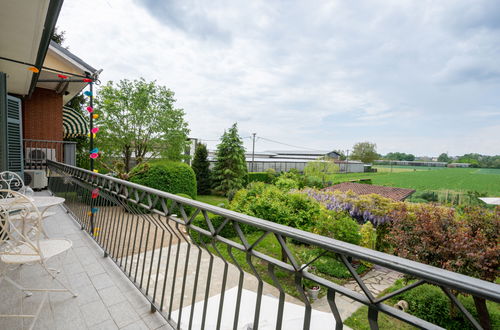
<point>230,167</point>
<point>444,158</point>
<point>138,120</point>
<point>321,170</point>
<point>58,37</point>
<point>463,241</point>
<point>201,167</point>
<point>400,156</point>
<point>365,152</point>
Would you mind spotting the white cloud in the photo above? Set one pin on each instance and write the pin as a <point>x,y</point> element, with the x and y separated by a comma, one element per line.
<point>317,74</point>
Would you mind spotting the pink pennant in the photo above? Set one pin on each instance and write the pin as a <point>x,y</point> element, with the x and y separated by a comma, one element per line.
<point>94,130</point>
<point>94,155</point>
<point>90,109</point>
<point>95,193</point>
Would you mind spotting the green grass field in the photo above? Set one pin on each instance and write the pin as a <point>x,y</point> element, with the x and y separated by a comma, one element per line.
<point>438,179</point>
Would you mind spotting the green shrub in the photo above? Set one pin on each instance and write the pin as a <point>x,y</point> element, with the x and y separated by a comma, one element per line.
<point>368,236</point>
<point>338,225</point>
<point>270,203</point>
<point>429,303</point>
<point>286,184</point>
<point>172,177</point>
<point>176,210</point>
<point>266,177</point>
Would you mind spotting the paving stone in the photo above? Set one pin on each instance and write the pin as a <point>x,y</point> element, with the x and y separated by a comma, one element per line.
<point>106,325</point>
<point>94,313</point>
<point>123,314</point>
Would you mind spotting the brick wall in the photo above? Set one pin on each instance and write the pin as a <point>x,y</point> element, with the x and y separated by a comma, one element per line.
<point>42,115</point>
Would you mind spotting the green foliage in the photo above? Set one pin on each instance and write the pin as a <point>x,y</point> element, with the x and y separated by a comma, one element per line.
<point>365,152</point>
<point>138,117</point>
<point>266,177</point>
<point>321,170</point>
<point>368,236</point>
<point>286,184</point>
<point>338,225</point>
<point>399,156</point>
<point>201,167</point>
<point>270,203</point>
<point>172,177</point>
<point>444,158</point>
<point>230,167</point>
<point>176,210</point>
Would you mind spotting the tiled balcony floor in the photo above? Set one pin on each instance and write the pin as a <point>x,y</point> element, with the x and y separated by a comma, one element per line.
<point>106,300</point>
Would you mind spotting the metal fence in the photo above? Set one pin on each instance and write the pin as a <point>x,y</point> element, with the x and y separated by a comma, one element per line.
<point>172,257</point>
<point>38,152</point>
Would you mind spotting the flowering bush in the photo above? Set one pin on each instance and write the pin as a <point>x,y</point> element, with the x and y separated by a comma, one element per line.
<point>373,208</point>
<point>338,225</point>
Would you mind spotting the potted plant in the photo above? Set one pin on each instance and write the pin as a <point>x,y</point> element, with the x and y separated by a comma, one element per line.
<point>311,287</point>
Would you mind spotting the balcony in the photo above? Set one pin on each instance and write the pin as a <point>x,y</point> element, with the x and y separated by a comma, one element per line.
<point>139,261</point>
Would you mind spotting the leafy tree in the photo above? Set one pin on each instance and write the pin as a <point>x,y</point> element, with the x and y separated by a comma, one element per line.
<point>230,167</point>
<point>201,167</point>
<point>464,242</point>
<point>138,121</point>
<point>58,37</point>
<point>321,170</point>
<point>444,158</point>
<point>365,152</point>
<point>400,156</point>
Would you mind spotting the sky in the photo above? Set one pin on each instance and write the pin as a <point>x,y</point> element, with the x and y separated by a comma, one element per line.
<point>420,77</point>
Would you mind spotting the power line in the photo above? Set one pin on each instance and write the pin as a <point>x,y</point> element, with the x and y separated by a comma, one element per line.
<point>286,144</point>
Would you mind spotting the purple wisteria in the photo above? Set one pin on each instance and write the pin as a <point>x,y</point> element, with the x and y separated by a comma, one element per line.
<point>363,208</point>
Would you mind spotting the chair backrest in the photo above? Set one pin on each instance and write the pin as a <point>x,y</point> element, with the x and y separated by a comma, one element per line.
<point>15,211</point>
<point>11,181</point>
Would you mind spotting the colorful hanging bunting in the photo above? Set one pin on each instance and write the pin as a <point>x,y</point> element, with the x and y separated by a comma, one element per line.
<point>87,80</point>
<point>33,69</point>
<point>90,109</point>
<point>95,171</point>
<point>89,213</point>
<point>95,116</point>
<point>62,76</point>
<point>94,210</point>
<point>96,231</point>
<point>95,193</point>
<point>93,135</point>
<point>94,155</point>
<point>87,93</point>
<point>94,151</point>
<point>94,130</point>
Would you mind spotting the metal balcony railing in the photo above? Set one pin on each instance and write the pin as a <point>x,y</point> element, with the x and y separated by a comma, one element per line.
<point>136,227</point>
<point>38,152</point>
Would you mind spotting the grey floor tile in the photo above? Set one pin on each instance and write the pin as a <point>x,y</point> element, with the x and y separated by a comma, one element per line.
<point>106,325</point>
<point>138,325</point>
<point>123,314</point>
<point>101,281</point>
<point>94,313</point>
<point>111,295</point>
<point>154,320</point>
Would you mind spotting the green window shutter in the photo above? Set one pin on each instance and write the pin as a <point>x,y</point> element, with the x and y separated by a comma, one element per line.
<point>3,122</point>
<point>14,136</point>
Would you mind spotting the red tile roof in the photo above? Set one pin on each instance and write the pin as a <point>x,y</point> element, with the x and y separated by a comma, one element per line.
<point>397,194</point>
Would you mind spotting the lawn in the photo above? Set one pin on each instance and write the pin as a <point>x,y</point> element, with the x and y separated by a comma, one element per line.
<point>437,179</point>
<point>212,199</point>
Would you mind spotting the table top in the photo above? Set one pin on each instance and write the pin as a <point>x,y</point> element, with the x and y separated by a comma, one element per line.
<point>41,202</point>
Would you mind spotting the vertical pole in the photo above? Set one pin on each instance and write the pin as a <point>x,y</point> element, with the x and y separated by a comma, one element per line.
<point>91,124</point>
<point>347,162</point>
<point>253,150</point>
<point>91,114</point>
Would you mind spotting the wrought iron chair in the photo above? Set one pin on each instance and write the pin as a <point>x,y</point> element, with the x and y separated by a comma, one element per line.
<point>12,181</point>
<point>18,247</point>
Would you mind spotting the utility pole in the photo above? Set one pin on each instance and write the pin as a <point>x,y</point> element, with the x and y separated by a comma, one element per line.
<point>347,161</point>
<point>253,150</point>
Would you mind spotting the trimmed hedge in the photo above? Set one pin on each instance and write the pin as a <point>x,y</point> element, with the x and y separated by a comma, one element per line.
<point>265,177</point>
<point>172,177</point>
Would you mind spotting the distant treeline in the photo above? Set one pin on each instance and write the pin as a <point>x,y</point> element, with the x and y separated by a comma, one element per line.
<point>476,160</point>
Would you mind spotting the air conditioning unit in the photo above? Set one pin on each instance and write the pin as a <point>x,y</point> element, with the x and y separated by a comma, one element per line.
<point>36,179</point>
<point>39,155</point>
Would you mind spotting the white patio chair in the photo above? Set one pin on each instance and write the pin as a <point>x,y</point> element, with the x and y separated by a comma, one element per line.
<point>18,248</point>
<point>12,181</point>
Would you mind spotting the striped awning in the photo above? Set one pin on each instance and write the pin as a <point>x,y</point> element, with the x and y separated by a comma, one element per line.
<point>74,123</point>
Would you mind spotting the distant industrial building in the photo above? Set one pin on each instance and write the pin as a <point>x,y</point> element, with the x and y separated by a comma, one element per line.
<point>285,160</point>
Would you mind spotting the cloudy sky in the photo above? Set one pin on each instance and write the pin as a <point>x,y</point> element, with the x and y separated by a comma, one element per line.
<point>412,76</point>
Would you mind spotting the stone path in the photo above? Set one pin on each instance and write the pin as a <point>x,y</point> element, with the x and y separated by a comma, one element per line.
<point>377,280</point>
